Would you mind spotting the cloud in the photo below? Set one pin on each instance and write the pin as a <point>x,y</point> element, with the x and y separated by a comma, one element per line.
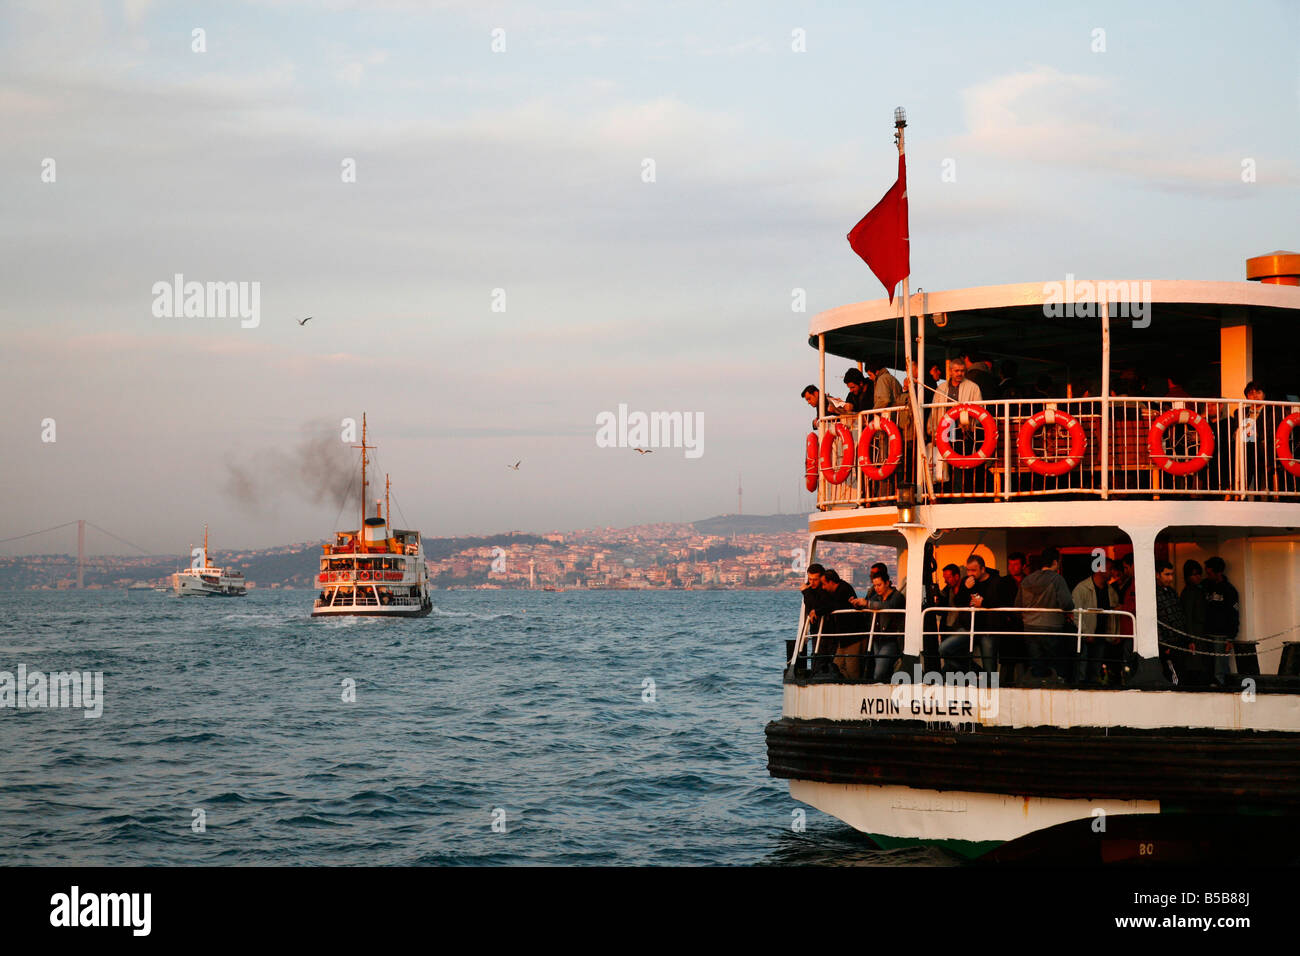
<point>134,10</point>
<point>1044,116</point>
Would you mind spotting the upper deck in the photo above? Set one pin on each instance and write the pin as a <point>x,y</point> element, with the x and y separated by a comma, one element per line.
<point>1089,389</point>
<point>396,541</point>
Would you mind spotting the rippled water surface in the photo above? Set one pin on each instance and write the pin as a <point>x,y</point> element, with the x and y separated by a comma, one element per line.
<point>531,702</point>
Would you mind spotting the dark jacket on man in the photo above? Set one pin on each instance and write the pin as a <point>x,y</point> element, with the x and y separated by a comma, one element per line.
<point>838,600</point>
<point>989,590</point>
<point>1045,589</point>
<point>1220,609</point>
<point>888,623</point>
<point>1194,609</point>
<point>954,598</point>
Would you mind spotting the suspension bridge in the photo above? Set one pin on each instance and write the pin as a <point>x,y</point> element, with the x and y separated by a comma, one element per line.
<point>81,524</point>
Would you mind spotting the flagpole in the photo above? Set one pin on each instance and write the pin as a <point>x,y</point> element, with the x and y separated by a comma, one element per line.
<point>900,123</point>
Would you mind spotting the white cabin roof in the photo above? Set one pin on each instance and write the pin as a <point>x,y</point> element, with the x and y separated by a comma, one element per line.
<point>1035,294</point>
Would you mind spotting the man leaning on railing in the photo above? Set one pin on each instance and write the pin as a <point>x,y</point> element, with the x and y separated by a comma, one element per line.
<point>954,627</point>
<point>839,595</point>
<point>889,647</point>
<point>811,394</point>
<point>814,605</point>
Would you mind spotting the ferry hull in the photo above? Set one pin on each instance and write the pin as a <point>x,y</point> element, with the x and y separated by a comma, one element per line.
<point>420,611</point>
<point>189,588</point>
<point>1079,794</point>
<point>1037,830</point>
<point>1204,770</point>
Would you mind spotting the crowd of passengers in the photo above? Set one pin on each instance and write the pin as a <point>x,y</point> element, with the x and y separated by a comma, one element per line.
<point>971,380</point>
<point>1037,644</point>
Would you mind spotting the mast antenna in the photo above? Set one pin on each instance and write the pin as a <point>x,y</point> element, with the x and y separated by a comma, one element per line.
<point>364,485</point>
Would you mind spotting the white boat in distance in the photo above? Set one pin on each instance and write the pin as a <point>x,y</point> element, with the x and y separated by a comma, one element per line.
<point>205,580</point>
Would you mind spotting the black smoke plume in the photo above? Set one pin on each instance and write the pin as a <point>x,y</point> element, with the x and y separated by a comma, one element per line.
<point>320,469</point>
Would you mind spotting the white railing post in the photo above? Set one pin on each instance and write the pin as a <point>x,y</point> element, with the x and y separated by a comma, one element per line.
<point>1105,397</point>
<point>1006,452</point>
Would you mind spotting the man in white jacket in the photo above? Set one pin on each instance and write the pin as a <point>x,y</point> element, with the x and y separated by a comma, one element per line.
<point>1094,593</point>
<point>957,389</point>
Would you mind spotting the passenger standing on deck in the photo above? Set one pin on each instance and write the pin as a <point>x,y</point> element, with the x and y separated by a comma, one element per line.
<point>1196,669</point>
<point>1047,638</point>
<point>957,390</point>
<point>1094,593</point>
<point>814,605</point>
<point>888,648</point>
<point>811,394</point>
<point>1257,429</point>
<point>1171,626</point>
<point>848,650</point>
<point>982,585</point>
<point>981,373</point>
<point>1222,618</point>
<point>888,393</point>
<point>1121,647</point>
<point>859,397</point>
<point>954,627</point>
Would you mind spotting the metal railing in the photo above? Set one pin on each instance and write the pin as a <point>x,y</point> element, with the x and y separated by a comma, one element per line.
<point>994,645</point>
<point>367,597</point>
<point>857,488</point>
<point>386,576</point>
<point>1078,614</point>
<point>1092,447</point>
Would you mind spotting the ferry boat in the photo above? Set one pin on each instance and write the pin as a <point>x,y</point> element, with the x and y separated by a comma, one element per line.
<point>376,570</point>
<point>206,580</point>
<point>1150,737</point>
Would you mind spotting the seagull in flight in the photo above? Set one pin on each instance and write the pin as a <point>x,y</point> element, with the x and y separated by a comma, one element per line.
<point>305,321</point>
<point>515,466</point>
<point>644,451</point>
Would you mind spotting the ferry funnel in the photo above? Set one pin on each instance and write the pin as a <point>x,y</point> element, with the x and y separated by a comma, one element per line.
<point>1276,268</point>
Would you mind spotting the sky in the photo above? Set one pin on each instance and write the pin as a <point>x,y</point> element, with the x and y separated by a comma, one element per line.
<point>458,193</point>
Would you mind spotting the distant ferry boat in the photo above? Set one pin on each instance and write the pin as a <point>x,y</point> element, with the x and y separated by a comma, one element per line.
<point>207,580</point>
<point>1159,738</point>
<point>376,570</point>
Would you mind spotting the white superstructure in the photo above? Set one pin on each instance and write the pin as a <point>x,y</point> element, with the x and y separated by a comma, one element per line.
<point>203,579</point>
<point>1146,436</point>
<point>376,570</point>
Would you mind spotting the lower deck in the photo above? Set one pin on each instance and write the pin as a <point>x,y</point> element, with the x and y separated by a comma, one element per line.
<point>372,598</point>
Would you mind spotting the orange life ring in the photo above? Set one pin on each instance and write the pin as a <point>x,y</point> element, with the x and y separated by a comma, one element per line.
<point>1282,445</point>
<point>364,576</point>
<point>810,462</point>
<point>1025,442</point>
<point>1156,442</point>
<point>837,476</point>
<point>987,444</point>
<point>893,450</point>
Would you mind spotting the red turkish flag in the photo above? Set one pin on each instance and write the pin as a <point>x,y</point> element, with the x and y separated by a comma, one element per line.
<point>880,238</point>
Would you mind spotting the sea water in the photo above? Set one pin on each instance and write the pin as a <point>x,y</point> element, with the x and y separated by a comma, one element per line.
<point>508,727</point>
